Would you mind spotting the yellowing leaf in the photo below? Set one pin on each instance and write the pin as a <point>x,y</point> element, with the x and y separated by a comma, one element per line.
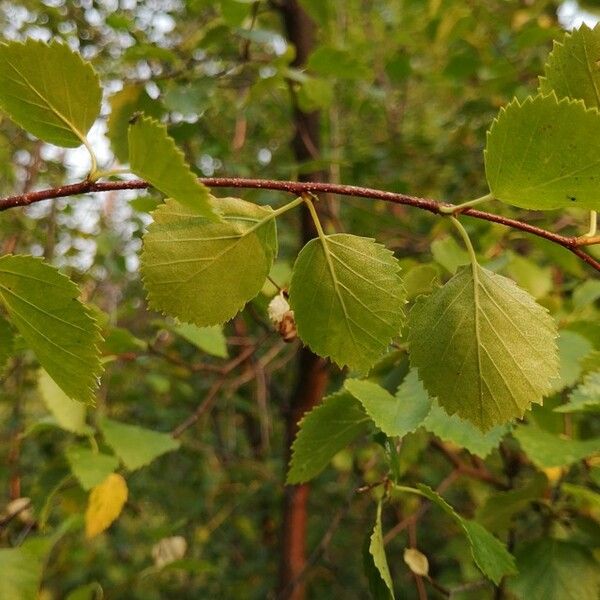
<point>42,304</point>
<point>49,90</point>
<point>154,156</point>
<point>377,551</point>
<point>348,298</point>
<point>483,347</point>
<point>105,504</point>
<point>544,154</point>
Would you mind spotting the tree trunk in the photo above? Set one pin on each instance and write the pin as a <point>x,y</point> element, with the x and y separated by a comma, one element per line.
<point>312,370</point>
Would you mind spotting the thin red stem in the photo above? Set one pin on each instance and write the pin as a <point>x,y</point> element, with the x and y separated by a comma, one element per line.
<point>297,188</point>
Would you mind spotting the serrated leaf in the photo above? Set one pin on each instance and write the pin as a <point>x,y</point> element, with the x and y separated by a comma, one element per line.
<point>323,432</point>
<point>483,347</point>
<point>69,414</point>
<point>585,396</point>
<point>123,104</point>
<point>136,446</point>
<point>7,337</point>
<point>49,90</point>
<point>573,67</point>
<point>551,569</point>
<point>105,503</point>
<point>42,304</point>
<point>90,468</point>
<point>203,272</point>
<point>207,339</point>
<point>154,156</point>
<point>547,450</point>
<point>447,253</point>
<point>489,553</point>
<point>394,415</point>
<point>377,551</point>
<point>347,298</point>
<point>543,154</point>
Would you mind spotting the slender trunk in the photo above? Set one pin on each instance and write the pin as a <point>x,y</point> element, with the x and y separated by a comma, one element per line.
<point>312,370</point>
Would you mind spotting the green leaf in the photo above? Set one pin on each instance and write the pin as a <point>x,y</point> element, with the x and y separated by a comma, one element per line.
<point>543,154</point>
<point>377,551</point>
<point>572,349</point>
<point>154,156</point>
<point>483,347</point>
<point>395,416</point>
<point>489,553</point>
<point>42,304</point>
<point>136,446</point>
<point>552,569</point>
<point>203,272</point>
<point>585,396</point>
<point>323,432</point>
<point>208,339</point>
<point>422,279</point>
<point>21,568</point>
<point>123,104</point>
<point>90,468</point>
<point>452,428</point>
<point>49,90</point>
<point>7,337</point>
<point>447,253</point>
<point>499,509</point>
<point>69,414</point>
<point>347,298</point>
<point>546,449</point>
<point>572,68</point>
<point>377,586</point>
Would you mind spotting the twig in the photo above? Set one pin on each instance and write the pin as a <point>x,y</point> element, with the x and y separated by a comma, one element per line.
<point>573,244</point>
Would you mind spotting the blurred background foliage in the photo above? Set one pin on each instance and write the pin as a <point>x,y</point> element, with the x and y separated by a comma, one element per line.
<point>406,91</point>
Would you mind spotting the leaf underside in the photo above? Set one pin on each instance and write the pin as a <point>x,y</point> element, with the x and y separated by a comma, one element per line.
<point>347,298</point>
<point>49,90</point>
<point>203,272</point>
<point>544,154</point>
<point>42,304</point>
<point>483,347</point>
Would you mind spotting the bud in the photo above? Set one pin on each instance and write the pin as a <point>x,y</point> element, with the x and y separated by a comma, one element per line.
<point>283,317</point>
<point>417,562</point>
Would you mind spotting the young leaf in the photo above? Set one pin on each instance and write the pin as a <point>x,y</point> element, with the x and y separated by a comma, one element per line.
<point>42,304</point>
<point>90,468</point>
<point>105,504</point>
<point>483,347</point>
<point>49,90</point>
<point>154,156</point>
<point>136,446</point>
<point>543,154</point>
<point>489,554</point>
<point>395,416</point>
<point>551,569</point>
<point>123,104</point>
<point>207,339</point>
<point>377,551</point>
<point>69,414</point>
<point>7,336</point>
<point>323,432</point>
<point>203,272</point>
<point>547,450</point>
<point>572,67</point>
<point>347,298</point>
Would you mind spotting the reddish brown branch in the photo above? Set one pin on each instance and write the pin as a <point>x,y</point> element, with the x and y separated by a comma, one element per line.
<point>573,244</point>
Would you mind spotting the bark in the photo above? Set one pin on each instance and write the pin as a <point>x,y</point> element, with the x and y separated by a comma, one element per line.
<point>312,374</point>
